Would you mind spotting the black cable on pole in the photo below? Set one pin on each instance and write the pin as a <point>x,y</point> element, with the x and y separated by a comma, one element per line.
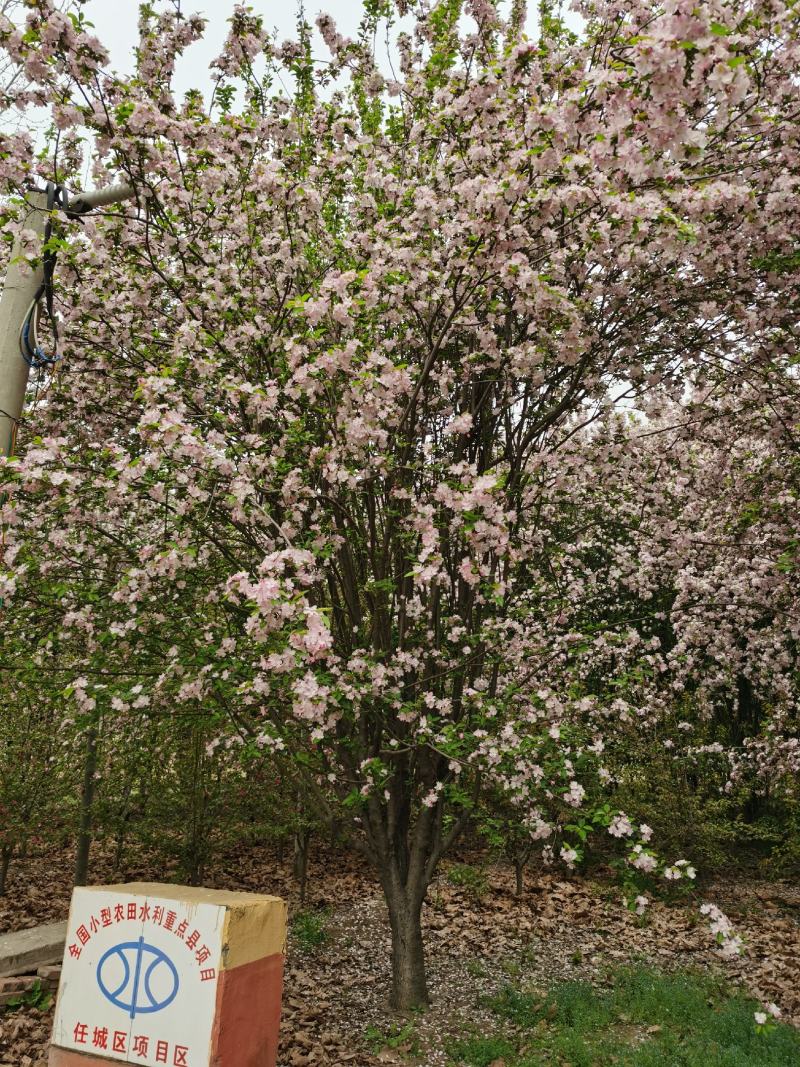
<point>32,353</point>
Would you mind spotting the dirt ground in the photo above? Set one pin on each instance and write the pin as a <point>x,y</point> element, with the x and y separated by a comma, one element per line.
<point>335,998</point>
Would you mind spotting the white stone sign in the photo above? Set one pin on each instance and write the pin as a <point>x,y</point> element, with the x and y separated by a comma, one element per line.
<point>140,976</point>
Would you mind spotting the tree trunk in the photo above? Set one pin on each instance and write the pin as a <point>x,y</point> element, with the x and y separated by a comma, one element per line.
<point>195,849</point>
<point>87,809</point>
<point>119,848</point>
<point>302,844</point>
<point>122,826</point>
<point>405,852</point>
<point>334,833</point>
<point>409,986</point>
<point>196,841</point>
<point>5,862</point>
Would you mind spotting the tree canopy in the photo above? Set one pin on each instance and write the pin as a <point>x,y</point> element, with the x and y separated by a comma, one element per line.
<point>432,431</point>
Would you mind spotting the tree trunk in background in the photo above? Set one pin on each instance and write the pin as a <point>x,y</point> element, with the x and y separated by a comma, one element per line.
<point>302,844</point>
<point>122,826</point>
<point>196,846</point>
<point>5,862</point>
<point>87,809</point>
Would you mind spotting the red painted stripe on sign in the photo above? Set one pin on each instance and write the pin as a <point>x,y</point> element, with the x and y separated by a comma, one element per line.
<point>248,1014</point>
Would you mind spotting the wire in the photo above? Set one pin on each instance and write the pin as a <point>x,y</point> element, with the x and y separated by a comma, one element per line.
<point>32,352</point>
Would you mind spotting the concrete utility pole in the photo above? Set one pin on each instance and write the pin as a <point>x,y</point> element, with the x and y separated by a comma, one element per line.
<point>19,291</point>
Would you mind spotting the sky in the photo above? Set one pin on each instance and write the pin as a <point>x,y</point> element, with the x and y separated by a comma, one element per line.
<point>115,24</point>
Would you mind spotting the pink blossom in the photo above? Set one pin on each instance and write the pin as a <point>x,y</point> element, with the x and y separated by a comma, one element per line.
<point>620,826</point>
<point>568,855</point>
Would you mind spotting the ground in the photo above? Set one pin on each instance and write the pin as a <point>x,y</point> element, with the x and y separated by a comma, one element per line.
<point>481,940</point>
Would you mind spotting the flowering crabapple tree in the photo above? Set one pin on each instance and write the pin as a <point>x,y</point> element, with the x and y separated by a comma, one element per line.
<point>677,532</point>
<point>300,468</point>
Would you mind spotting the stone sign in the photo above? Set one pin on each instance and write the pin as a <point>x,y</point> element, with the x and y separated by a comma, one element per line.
<point>157,974</point>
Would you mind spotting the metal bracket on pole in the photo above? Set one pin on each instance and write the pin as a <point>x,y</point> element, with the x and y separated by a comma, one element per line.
<point>20,288</point>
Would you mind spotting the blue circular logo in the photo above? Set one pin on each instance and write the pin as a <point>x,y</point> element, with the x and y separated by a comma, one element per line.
<point>137,977</point>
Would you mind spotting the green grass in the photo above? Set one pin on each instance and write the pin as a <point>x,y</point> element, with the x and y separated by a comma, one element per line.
<point>309,929</point>
<point>35,997</point>
<point>396,1037</point>
<point>472,880</point>
<point>645,1019</point>
<point>483,1051</point>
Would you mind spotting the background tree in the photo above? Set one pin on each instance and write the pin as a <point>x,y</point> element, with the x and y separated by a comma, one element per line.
<point>35,764</point>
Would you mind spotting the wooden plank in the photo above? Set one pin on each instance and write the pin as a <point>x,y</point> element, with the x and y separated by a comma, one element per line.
<point>24,951</point>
